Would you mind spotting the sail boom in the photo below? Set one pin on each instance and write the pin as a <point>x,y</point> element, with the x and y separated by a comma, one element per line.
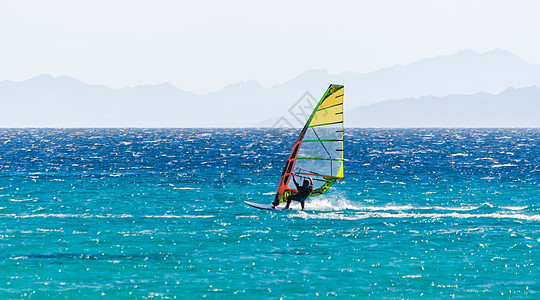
<point>320,158</point>
<point>311,141</point>
<point>317,175</point>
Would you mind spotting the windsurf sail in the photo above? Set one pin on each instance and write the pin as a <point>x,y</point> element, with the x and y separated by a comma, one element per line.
<point>318,151</point>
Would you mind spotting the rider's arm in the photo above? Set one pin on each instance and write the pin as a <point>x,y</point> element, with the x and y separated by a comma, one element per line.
<point>295,182</point>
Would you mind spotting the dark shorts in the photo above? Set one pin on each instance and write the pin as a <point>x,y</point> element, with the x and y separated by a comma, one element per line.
<point>296,197</point>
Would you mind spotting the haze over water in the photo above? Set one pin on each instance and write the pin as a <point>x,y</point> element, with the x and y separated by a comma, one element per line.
<point>142,213</point>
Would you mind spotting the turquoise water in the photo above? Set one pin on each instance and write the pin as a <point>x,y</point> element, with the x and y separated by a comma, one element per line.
<point>158,213</point>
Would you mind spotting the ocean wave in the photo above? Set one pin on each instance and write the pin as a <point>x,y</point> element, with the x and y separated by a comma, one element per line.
<point>99,216</point>
<point>402,215</point>
<point>180,216</point>
<point>503,165</point>
<point>89,256</point>
<point>342,204</point>
<point>21,200</point>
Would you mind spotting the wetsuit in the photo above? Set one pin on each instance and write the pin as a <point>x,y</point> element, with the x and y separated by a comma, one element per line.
<point>301,195</point>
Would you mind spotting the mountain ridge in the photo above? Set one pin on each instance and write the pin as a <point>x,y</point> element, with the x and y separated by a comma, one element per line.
<point>514,107</point>
<point>64,101</point>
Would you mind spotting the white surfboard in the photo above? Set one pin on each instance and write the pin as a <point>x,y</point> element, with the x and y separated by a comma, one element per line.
<point>263,206</point>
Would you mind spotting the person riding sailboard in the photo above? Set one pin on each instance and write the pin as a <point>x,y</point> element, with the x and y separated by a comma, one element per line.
<point>303,193</point>
<point>317,154</point>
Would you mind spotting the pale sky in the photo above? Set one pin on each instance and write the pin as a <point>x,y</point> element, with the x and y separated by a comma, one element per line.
<point>202,46</point>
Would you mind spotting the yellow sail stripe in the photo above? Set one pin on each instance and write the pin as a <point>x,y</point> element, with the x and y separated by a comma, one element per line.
<point>331,115</point>
<point>334,99</point>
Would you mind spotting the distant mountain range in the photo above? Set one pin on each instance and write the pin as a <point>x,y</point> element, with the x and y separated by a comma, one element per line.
<point>466,89</point>
<point>511,108</point>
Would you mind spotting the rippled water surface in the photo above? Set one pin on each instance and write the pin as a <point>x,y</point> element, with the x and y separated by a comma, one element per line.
<point>142,213</point>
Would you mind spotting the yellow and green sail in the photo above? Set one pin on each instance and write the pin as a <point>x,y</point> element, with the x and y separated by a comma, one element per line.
<point>318,151</point>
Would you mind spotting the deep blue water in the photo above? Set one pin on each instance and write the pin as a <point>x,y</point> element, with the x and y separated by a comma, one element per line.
<point>158,213</point>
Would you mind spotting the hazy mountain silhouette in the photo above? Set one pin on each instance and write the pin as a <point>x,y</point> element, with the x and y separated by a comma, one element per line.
<point>47,101</point>
<point>66,102</point>
<point>511,108</point>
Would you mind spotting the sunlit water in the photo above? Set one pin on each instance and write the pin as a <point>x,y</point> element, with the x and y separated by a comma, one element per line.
<point>142,213</point>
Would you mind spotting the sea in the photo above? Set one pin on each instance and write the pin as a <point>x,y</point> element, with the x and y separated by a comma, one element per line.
<point>159,214</point>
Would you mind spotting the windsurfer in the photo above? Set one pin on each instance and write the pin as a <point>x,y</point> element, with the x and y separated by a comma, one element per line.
<point>304,191</point>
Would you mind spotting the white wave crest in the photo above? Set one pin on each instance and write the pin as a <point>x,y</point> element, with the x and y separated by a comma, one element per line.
<point>503,165</point>
<point>385,215</point>
<point>181,216</point>
<point>343,209</point>
<point>98,216</point>
<point>343,204</point>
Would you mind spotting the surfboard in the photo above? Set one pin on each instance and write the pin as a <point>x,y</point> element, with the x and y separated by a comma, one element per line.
<point>263,206</point>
